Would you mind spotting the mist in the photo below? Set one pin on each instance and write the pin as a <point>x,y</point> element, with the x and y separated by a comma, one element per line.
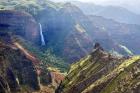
<point>132,5</point>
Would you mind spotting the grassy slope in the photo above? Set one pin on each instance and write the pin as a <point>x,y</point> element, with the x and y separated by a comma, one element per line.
<point>117,74</point>
<point>118,77</point>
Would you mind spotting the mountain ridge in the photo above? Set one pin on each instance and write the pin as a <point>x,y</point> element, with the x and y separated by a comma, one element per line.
<point>116,13</point>
<point>97,72</point>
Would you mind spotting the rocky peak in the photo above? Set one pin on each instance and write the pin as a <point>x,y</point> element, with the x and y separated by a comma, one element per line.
<point>99,52</point>
<point>101,72</point>
<point>88,70</point>
<point>98,46</point>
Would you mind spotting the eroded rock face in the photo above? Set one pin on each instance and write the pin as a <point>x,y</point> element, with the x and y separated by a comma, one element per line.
<point>70,32</point>
<point>16,70</point>
<point>102,72</point>
<point>19,23</point>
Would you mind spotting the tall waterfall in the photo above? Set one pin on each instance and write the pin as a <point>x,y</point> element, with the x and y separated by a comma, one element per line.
<point>42,37</point>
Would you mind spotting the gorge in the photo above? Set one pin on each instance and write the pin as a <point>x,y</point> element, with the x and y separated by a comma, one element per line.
<point>48,47</point>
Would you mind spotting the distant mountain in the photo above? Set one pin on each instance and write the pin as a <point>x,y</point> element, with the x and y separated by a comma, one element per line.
<point>68,31</point>
<point>123,34</point>
<point>111,12</point>
<point>101,72</point>
<point>69,35</point>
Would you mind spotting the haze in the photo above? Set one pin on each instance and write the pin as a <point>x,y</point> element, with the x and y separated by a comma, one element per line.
<point>132,5</point>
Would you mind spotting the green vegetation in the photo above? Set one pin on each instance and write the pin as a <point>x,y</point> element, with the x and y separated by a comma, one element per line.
<point>85,69</point>
<point>53,61</point>
<point>47,57</point>
<point>30,6</point>
<point>112,74</point>
<point>34,7</point>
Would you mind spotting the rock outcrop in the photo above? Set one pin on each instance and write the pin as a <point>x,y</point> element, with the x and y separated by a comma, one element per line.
<point>102,72</point>
<point>21,70</point>
<point>16,70</point>
<point>19,23</point>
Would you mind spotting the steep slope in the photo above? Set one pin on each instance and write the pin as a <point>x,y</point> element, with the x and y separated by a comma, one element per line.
<point>75,33</point>
<point>124,78</point>
<point>67,31</point>
<point>24,68</point>
<point>124,34</point>
<point>27,72</point>
<point>111,12</point>
<point>101,72</point>
<point>23,25</point>
<point>17,66</point>
<point>72,31</point>
<point>16,70</point>
<point>19,23</point>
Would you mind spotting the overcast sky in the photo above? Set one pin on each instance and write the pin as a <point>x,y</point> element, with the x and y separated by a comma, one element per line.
<point>133,5</point>
<point>107,1</point>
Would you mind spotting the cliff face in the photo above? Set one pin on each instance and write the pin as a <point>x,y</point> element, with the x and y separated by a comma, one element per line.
<point>20,69</point>
<point>16,70</point>
<point>19,23</point>
<point>69,32</point>
<point>102,72</point>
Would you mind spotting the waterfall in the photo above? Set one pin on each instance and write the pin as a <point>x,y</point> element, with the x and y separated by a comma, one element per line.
<point>41,34</point>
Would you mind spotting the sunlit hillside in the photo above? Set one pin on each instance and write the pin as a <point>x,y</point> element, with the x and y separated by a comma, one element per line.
<point>49,46</point>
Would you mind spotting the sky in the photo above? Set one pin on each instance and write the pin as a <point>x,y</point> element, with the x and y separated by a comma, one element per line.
<point>133,5</point>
